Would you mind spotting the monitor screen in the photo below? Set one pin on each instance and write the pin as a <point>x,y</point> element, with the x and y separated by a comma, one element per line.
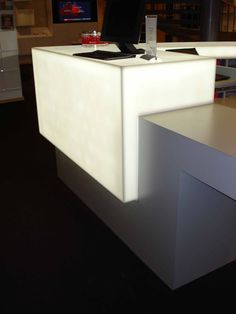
<point>74,11</point>
<point>122,21</point>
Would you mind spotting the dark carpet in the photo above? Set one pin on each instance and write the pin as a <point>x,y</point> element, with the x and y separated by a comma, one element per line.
<point>56,255</point>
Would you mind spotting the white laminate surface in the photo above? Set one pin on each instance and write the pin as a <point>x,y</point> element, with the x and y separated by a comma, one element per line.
<point>89,109</point>
<point>218,49</point>
<point>162,56</point>
<point>212,125</point>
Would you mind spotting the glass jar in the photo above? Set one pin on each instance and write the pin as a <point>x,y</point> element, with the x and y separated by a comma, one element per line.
<point>90,38</point>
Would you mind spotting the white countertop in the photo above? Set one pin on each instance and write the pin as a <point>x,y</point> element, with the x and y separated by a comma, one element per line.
<point>217,49</point>
<point>212,125</point>
<point>162,55</point>
<point>221,50</point>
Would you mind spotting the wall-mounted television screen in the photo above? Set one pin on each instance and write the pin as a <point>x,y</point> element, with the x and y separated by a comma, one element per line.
<point>74,11</point>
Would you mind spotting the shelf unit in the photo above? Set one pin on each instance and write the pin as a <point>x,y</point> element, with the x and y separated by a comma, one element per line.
<point>10,79</point>
<point>28,23</point>
<point>25,17</point>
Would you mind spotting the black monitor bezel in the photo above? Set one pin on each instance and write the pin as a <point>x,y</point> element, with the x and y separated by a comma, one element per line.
<point>134,39</point>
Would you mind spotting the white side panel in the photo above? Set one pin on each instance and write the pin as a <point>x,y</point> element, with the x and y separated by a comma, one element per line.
<point>10,79</point>
<point>8,40</point>
<point>79,111</point>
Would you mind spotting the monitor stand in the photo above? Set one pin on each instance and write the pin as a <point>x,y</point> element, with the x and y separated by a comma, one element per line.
<point>129,48</point>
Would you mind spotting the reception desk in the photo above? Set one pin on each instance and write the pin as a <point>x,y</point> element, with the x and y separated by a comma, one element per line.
<point>139,142</point>
<point>95,105</point>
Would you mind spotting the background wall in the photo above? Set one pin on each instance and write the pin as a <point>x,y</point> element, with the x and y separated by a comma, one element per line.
<point>62,34</point>
<point>42,31</point>
<point>45,33</point>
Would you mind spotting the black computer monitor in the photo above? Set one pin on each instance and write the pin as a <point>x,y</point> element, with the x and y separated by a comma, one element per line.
<point>122,24</point>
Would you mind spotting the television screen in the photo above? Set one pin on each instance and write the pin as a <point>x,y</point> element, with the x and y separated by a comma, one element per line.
<point>74,11</point>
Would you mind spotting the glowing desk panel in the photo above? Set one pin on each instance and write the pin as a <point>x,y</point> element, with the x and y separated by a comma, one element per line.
<point>89,109</point>
<point>217,49</point>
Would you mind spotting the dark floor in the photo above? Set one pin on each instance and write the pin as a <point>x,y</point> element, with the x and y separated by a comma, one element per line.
<point>56,254</point>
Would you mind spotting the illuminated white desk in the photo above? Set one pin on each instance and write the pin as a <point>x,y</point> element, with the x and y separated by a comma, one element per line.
<point>138,180</point>
<point>89,109</point>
